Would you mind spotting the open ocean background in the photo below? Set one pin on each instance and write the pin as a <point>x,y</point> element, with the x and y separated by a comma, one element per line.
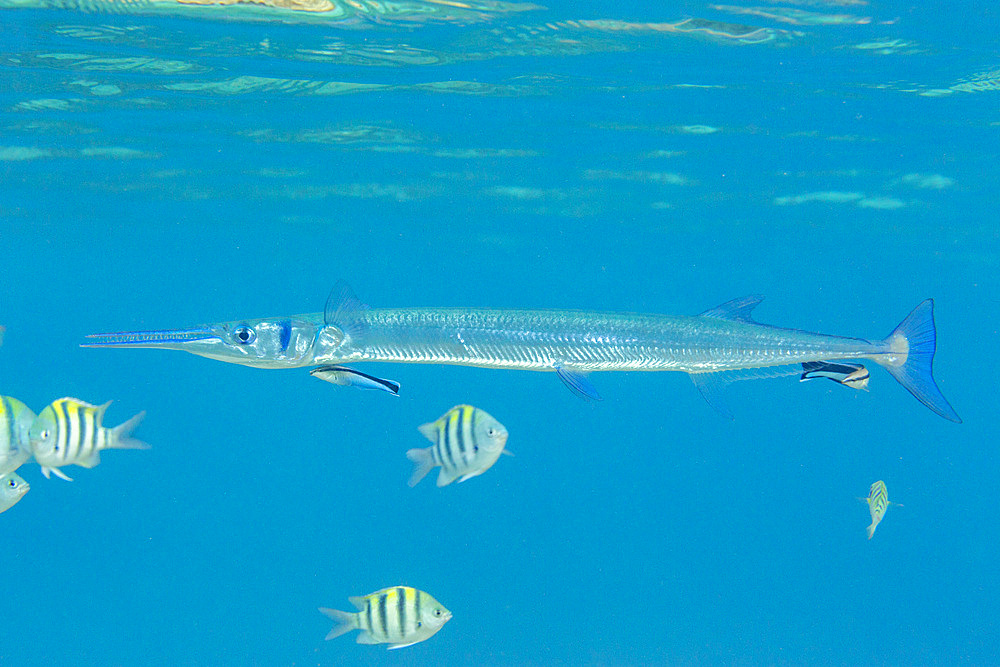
<point>163,166</point>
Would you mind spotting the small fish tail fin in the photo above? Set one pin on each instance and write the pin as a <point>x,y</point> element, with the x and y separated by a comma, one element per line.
<point>423,462</point>
<point>346,621</point>
<point>121,435</point>
<point>871,530</point>
<point>910,357</point>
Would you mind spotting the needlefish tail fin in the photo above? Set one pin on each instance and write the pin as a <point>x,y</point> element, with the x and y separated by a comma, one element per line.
<point>911,349</point>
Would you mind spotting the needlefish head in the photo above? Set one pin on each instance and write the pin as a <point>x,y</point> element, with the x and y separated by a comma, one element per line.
<point>265,343</point>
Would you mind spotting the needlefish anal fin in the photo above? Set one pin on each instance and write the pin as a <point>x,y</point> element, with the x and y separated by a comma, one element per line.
<point>342,309</point>
<point>711,385</point>
<point>578,383</point>
<point>737,309</point>
<point>348,377</point>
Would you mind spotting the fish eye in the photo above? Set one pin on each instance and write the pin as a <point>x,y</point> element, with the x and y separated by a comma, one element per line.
<point>45,434</point>
<point>244,335</point>
<point>438,613</point>
<point>11,483</point>
<point>491,431</point>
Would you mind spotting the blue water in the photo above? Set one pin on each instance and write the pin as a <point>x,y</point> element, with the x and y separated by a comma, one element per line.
<point>605,168</point>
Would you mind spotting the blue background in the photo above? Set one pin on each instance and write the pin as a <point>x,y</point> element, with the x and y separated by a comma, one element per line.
<point>645,529</point>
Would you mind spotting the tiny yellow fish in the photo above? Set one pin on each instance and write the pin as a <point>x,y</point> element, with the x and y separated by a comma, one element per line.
<point>399,616</point>
<point>467,442</point>
<point>69,432</point>
<point>878,502</point>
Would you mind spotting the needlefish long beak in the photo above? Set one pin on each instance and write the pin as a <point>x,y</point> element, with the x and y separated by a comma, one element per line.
<point>284,342</point>
<point>167,339</point>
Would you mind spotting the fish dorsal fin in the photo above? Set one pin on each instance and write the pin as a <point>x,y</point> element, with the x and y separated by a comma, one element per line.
<point>342,308</point>
<point>429,430</point>
<point>359,601</point>
<point>737,309</point>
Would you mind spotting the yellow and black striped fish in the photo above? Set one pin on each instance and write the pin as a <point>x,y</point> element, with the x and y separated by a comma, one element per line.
<point>399,616</point>
<point>15,422</point>
<point>878,502</point>
<point>69,432</point>
<point>467,442</point>
<point>12,489</point>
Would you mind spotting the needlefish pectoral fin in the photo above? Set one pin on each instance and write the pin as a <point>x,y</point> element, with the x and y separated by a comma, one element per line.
<point>578,383</point>
<point>348,377</point>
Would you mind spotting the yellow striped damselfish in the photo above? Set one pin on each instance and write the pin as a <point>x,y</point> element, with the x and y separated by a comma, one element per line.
<point>69,432</point>
<point>12,489</point>
<point>399,616</point>
<point>878,502</point>
<point>15,422</point>
<point>467,442</point>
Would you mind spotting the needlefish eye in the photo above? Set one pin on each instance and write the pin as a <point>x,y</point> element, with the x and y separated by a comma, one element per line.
<point>244,335</point>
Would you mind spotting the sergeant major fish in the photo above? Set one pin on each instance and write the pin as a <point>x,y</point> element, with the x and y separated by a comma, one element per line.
<point>69,432</point>
<point>399,616</point>
<point>467,442</point>
<point>878,503</point>
<point>710,347</point>
<point>15,422</point>
<point>12,489</point>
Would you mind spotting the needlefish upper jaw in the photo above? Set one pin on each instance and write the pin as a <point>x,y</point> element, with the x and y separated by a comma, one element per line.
<point>166,339</point>
<point>271,343</point>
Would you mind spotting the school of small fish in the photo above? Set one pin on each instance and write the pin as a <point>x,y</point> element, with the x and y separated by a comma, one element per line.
<point>68,431</point>
<point>465,442</point>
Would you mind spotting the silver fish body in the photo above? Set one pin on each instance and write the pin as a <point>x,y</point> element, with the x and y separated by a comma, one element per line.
<point>708,346</point>
<point>545,340</point>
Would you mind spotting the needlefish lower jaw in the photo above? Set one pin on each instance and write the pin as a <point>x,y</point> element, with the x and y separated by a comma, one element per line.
<point>268,343</point>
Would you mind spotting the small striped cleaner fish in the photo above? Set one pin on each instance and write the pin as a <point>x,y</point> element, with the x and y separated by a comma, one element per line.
<point>399,616</point>
<point>878,502</point>
<point>15,421</point>
<point>467,442</point>
<point>851,375</point>
<point>69,432</point>
<point>12,489</point>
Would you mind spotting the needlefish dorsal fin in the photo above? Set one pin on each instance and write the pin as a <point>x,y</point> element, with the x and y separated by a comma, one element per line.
<point>737,309</point>
<point>342,309</point>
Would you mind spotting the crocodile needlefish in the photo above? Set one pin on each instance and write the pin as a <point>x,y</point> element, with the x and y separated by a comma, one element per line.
<point>714,348</point>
